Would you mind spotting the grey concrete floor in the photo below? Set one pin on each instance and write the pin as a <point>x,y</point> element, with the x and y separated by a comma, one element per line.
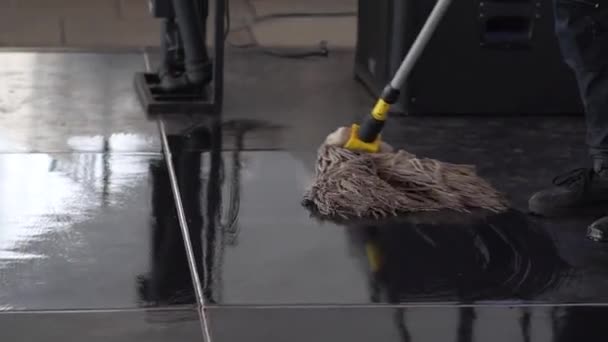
<point>126,23</point>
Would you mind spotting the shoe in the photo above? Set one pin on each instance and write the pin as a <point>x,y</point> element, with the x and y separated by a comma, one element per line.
<point>578,191</point>
<point>598,230</point>
<point>178,81</point>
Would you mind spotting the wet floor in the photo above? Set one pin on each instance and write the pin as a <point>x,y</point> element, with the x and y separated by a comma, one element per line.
<point>66,248</point>
<point>464,324</point>
<point>91,238</point>
<point>247,202</point>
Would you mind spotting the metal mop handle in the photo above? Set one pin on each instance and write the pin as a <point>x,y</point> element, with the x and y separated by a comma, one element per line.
<point>420,43</point>
<point>371,128</point>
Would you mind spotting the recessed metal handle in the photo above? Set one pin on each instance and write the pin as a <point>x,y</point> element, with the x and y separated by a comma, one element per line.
<point>507,30</point>
<point>507,23</point>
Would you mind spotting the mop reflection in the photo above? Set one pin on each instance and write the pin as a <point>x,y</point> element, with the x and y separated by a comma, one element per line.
<point>499,257</point>
<point>500,323</point>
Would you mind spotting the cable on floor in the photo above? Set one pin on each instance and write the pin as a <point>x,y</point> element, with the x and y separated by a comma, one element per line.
<point>321,51</point>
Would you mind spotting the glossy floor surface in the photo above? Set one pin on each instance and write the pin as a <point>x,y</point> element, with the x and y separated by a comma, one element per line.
<point>92,234</point>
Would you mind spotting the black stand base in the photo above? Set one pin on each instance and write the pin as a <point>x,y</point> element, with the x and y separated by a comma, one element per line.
<point>155,101</point>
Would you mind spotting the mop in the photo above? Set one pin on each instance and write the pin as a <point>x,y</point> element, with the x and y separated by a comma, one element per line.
<point>359,176</point>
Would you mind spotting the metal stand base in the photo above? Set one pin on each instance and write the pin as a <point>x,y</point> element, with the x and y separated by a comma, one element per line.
<point>155,101</point>
<point>210,102</point>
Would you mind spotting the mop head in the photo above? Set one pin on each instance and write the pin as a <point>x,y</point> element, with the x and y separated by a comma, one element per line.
<point>350,184</point>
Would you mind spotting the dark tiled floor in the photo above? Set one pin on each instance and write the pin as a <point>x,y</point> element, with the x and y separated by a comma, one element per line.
<point>511,257</point>
<point>273,95</point>
<point>412,324</point>
<point>297,260</point>
<point>121,326</point>
<point>86,201</point>
<point>519,155</point>
<point>66,249</point>
<point>264,251</point>
<point>87,220</point>
<point>96,226</point>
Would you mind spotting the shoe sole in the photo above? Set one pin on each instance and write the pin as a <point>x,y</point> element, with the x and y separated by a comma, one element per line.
<point>596,235</point>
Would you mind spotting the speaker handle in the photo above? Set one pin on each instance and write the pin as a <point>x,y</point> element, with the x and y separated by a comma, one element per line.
<point>508,24</point>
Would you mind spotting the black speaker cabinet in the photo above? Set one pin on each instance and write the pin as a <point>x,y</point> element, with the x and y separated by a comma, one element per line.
<point>495,57</point>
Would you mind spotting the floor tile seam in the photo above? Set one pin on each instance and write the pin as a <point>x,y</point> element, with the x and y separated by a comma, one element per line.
<point>119,50</point>
<point>270,149</point>
<point>156,154</point>
<point>438,305</point>
<point>177,308</point>
<point>183,223</point>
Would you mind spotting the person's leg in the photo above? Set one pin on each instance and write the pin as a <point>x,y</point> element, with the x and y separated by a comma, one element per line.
<point>185,63</point>
<point>594,90</point>
<point>172,54</point>
<point>191,19</point>
<point>582,30</point>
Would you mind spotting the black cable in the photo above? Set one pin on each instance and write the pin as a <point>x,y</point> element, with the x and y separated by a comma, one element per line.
<point>322,52</point>
<point>274,16</point>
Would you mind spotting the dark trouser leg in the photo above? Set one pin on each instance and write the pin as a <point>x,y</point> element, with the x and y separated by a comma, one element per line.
<point>594,92</point>
<point>582,30</point>
<point>172,54</point>
<point>192,23</point>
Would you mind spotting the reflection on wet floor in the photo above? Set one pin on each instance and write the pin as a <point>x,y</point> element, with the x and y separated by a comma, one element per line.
<point>158,325</point>
<point>498,257</point>
<point>413,324</point>
<point>168,281</point>
<point>57,102</point>
<point>100,230</point>
<point>257,245</point>
<point>69,221</point>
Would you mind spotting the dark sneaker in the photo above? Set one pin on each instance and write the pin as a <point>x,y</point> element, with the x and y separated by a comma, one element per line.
<point>578,191</point>
<point>179,81</point>
<point>598,230</point>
